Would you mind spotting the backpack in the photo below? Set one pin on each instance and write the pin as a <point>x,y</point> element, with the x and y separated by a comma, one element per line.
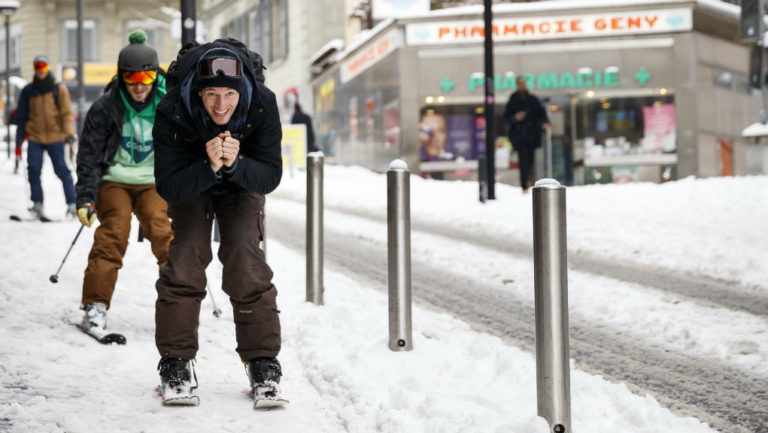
<point>172,77</point>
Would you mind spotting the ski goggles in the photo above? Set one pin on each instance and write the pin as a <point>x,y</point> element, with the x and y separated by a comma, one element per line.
<point>41,66</point>
<point>139,77</point>
<point>221,65</point>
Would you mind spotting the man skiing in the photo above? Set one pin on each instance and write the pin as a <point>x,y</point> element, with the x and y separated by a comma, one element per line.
<point>217,137</point>
<point>44,115</point>
<point>116,177</point>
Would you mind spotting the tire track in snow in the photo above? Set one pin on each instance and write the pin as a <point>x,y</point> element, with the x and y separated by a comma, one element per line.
<point>724,397</point>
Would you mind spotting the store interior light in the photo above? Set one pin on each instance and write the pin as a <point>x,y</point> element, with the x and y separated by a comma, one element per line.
<point>440,99</point>
<point>657,103</point>
<point>429,99</point>
<point>479,110</point>
<point>590,94</point>
<point>574,101</point>
<point>430,111</point>
<point>554,107</point>
<point>606,105</point>
<point>663,91</point>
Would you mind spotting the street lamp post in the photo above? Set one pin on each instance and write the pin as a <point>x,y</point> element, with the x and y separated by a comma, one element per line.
<point>7,8</point>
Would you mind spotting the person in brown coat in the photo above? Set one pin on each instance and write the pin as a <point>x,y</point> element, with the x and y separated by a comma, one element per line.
<point>44,115</point>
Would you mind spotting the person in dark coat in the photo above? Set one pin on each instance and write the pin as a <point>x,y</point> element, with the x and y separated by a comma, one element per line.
<point>116,175</point>
<point>527,118</point>
<point>217,147</point>
<point>302,118</point>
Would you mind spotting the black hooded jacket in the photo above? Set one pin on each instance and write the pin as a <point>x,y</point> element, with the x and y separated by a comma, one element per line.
<point>100,140</point>
<point>182,168</point>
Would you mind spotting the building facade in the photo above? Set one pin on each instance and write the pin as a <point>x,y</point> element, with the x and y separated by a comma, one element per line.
<point>49,27</point>
<point>286,34</point>
<point>649,91</point>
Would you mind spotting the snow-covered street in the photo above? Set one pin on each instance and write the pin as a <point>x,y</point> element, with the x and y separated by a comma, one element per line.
<point>338,372</point>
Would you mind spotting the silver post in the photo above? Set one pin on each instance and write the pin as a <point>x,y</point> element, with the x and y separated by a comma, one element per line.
<point>315,227</point>
<point>551,299</point>
<point>548,163</point>
<point>399,255</point>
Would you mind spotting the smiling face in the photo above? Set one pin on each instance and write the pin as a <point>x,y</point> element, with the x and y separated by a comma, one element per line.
<point>220,103</point>
<point>138,91</point>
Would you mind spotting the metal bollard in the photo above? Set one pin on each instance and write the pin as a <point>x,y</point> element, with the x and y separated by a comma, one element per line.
<point>399,255</point>
<point>315,227</point>
<point>551,299</point>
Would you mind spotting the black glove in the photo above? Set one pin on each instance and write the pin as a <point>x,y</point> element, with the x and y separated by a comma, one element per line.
<point>70,140</point>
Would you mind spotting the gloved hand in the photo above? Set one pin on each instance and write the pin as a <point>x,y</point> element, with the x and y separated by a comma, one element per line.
<point>71,139</point>
<point>86,213</point>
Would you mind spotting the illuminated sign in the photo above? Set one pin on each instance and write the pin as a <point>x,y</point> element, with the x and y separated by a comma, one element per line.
<point>564,26</point>
<point>584,78</point>
<point>374,52</point>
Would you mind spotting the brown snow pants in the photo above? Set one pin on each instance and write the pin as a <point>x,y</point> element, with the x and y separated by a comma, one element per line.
<point>246,277</point>
<point>110,240</point>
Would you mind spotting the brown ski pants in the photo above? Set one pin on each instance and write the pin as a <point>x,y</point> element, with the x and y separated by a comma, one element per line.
<point>246,277</point>
<point>116,203</point>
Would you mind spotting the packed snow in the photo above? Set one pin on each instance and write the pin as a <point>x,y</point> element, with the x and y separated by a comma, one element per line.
<point>338,371</point>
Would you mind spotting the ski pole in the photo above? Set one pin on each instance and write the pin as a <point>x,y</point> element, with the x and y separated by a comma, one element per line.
<point>216,311</point>
<point>55,277</point>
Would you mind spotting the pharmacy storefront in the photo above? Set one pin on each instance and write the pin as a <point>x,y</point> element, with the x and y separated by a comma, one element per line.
<point>633,94</point>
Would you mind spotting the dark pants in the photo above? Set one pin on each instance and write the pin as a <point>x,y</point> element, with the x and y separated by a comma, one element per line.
<point>116,203</point>
<point>35,167</point>
<point>246,277</point>
<point>525,154</point>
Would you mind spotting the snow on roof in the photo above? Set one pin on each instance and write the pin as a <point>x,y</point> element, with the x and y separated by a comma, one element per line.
<point>367,35</point>
<point>332,45</point>
<point>755,130</point>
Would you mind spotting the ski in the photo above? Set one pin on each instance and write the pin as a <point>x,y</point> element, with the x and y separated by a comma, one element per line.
<point>267,396</point>
<point>43,219</point>
<point>178,396</point>
<point>106,338</point>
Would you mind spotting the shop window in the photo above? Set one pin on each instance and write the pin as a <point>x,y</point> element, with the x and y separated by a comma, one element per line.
<point>617,126</point>
<point>69,40</point>
<point>267,27</point>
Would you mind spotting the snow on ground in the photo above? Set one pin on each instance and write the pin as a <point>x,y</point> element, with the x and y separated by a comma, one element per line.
<point>339,373</point>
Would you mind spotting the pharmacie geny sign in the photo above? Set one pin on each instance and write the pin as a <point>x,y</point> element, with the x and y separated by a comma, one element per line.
<point>563,26</point>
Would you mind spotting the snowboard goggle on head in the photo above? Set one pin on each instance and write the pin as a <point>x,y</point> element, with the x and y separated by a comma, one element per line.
<point>41,66</point>
<point>219,66</point>
<point>139,77</point>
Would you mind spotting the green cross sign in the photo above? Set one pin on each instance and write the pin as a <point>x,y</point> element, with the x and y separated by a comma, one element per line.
<point>447,85</point>
<point>642,76</point>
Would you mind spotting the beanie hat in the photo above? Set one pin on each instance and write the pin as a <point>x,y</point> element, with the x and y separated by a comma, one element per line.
<point>41,58</point>
<point>220,79</point>
<point>137,55</point>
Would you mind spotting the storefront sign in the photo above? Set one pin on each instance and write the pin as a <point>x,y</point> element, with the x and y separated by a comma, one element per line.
<point>374,52</point>
<point>585,78</point>
<point>565,26</point>
<point>294,145</point>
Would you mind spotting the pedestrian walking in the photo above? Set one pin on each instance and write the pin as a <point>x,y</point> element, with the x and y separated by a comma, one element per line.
<point>44,116</point>
<point>217,137</point>
<point>116,177</point>
<point>526,117</point>
<point>302,118</point>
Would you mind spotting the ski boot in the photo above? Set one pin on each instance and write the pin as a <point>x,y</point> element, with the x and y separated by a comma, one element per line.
<point>94,323</point>
<point>177,381</point>
<point>264,375</point>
